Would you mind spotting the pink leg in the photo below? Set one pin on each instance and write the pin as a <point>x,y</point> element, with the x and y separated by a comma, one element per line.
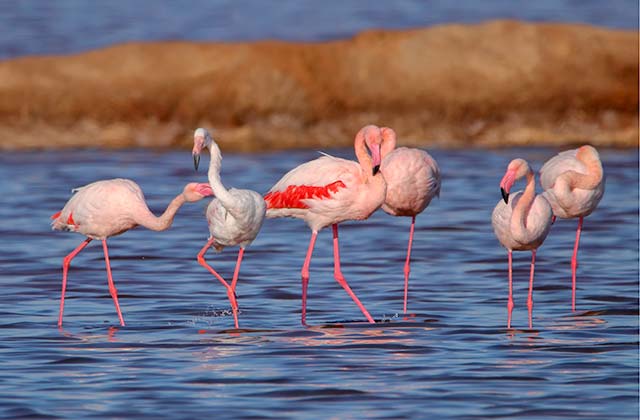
<point>65,269</point>
<point>305,275</point>
<point>530,298</point>
<point>230,291</point>
<point>510,302</point>
<point>574,265</point>
<point>236,272</point>
<point>337,273</point>
<point>112,286</point>
<point>407,264</point>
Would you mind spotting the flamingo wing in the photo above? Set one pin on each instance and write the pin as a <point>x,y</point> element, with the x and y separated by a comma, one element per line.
<point>317,179</point>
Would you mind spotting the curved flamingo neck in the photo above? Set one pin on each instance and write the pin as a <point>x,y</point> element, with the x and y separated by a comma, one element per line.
<point>219,191</point>
<point>522,208</point>
<point>389,143</point>
<point>164,222</point>
<point>215,165</point>
<point>364,159</point>
<point>587,181</point>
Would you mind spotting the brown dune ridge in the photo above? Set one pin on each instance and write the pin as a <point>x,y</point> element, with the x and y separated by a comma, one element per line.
<point>500,83</point>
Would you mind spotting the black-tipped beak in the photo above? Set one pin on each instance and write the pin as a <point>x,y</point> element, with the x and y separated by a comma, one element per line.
<point>196,161</point>
<point>376,169</point>
<point>505,195</point>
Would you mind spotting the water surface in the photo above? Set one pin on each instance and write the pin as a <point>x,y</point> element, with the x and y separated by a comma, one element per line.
<point>178,356</point>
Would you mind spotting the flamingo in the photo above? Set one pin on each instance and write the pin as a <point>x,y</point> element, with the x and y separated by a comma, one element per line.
<point>413,179</point>
<point>573,182</point>
<point>234,216</point>
<point>330,190</point>
<point>108,208</point>
<point>522,223</point>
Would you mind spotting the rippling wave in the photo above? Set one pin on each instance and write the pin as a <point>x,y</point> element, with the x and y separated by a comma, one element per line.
<point>179,357</point>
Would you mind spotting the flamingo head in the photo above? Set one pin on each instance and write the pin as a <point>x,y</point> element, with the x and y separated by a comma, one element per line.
<point>517,169</point>
<point>196,191</point>
<point>201,139</point>
<point>373,141</point>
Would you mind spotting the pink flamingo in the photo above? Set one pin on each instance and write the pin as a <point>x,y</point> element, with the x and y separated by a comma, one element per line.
<point>234,216</point>
<point>413,179</point>
<point>107,208</point>
<point>574,184</point>
<point>330,190</point>
<point>522,223</point>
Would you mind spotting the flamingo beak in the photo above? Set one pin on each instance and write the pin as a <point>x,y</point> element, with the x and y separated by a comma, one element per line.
<point>198,145</point>
<point>506,183</point>
<point>505,195</point>
<point>196,161</point>
<point>376,158</point>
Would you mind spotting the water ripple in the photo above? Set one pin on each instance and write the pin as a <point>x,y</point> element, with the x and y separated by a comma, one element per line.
<point>450,357</point>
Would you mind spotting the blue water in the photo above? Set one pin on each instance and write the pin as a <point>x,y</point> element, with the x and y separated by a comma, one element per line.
<point>178,356</point>
<point>67,26</point>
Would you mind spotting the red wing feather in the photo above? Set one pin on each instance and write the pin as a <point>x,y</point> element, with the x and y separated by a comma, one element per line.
<point>294,194</point>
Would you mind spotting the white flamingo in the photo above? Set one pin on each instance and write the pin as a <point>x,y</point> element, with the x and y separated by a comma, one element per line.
<point>234,216</point>
<point>330,190</point>
<point>521,223</point>
<point>413,179</point>
<point>573,183</point>
<point>110,207</point>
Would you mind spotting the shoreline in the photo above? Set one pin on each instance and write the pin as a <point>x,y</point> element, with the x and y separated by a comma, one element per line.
<point>496,84</point>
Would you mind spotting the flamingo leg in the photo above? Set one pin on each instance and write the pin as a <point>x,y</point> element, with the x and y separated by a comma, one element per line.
<point>574,265</point>
<point>337,273</point>
<point>65,269</point>
<point>236,272</point>
<point>407,264</point>
<point>305,275</point>
<point>510,301</point>
<point>112,286</point>
<point>530,298</point>
<point>230,291</point>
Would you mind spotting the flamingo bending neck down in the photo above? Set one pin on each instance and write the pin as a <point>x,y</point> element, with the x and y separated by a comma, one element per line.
<point>574,185</point>
<point>330,190</point>
<point>234,216</point>
<point>110,207</point>
<point>413,179</point>
<point>521,223</point>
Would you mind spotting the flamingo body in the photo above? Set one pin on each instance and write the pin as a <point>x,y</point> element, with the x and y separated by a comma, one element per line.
<point>413,179</point>
<point>570,201</point>
<point>325,191</point>
<point>538,223</point>
<point>102,209</point>
<point>237,228</point>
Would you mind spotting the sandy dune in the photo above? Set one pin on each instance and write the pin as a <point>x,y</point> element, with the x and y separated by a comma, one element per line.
<point>493,84</point>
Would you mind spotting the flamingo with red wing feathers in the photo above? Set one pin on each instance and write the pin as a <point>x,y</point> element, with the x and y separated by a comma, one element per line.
<point>327,191</point>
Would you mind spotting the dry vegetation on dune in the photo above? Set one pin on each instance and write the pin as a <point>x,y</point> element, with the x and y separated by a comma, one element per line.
<point>493,84</point>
